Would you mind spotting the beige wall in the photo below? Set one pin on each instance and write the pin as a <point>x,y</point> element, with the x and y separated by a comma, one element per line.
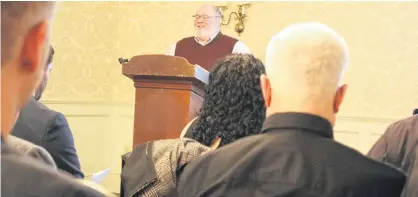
<point>88,87</point>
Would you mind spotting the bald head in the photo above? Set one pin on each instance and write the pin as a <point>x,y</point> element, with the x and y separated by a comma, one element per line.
<point>207,22</point>
<point>17,18</point>
<point>305,63</point>
<point>311,57</point>
<point>210,9</point>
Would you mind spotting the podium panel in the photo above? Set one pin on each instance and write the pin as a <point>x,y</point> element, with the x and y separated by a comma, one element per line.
<point>169,93</point>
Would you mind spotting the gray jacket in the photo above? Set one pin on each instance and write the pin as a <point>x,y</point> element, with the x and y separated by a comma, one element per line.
<point>399,146</point>
<point>22,176</point>
<point>29,149</point>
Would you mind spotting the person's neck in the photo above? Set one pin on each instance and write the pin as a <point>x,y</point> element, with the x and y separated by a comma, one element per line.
<point>7,119</point>
<point>206,38</point>
<point>322,111</point>
<point>203,38</point>
<point>6,107</point>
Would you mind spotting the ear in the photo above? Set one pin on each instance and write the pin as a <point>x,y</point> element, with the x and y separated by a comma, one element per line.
<point>339,97</point>
<point>34,51</point>
<point>265,89</point>
<point>219,21</point>
<point>215,143</point>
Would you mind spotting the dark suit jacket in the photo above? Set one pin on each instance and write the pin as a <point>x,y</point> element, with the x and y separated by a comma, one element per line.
<point>295,156</point>
<point>49,129</point>
<point>25,177</point>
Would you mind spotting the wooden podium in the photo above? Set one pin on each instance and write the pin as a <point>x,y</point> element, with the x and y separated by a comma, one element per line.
<point>169,93</point>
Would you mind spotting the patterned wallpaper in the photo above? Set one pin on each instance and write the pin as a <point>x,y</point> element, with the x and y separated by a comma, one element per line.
<point>382,36</point>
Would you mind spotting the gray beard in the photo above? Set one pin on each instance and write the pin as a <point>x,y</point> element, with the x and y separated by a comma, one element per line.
<point>38,94</point>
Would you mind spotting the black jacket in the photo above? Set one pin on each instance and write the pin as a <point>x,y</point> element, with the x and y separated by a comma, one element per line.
<point>49,129</point>
<point>296,156</point>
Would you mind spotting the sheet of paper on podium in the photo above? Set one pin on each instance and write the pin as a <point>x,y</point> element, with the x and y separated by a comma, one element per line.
<point>200,71</point>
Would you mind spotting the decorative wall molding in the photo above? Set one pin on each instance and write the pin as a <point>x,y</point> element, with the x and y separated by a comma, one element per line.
<point>86,102</point>
<point>132,104</point>
<point>367,119</point>
<point>87,115</point>
<point>345,131</point>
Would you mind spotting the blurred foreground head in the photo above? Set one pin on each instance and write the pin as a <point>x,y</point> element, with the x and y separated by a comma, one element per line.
<point>25,41</point>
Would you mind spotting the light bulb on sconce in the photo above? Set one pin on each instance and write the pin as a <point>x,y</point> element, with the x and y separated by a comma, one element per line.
<point>240,16</point>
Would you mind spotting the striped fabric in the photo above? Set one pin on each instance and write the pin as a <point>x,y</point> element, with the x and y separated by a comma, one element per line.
<point>169,156</point>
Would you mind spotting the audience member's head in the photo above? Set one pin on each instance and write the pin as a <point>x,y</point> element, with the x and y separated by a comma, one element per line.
<point>305,64</point>
<point>25,34</point>
<point>234,106</point>
<point>207,20</point>
<point>45,77</point>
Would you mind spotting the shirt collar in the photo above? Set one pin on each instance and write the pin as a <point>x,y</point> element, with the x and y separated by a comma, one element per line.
<point>210,39</point>
<point>301,121</point>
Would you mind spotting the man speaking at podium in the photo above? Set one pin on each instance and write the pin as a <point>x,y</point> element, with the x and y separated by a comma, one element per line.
<point>209,44</point>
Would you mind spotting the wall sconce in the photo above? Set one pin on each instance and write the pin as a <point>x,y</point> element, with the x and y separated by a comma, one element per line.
<point>240,16</point>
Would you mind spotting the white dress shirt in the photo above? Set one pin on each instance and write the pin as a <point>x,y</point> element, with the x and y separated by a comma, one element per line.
<point>239,46</point>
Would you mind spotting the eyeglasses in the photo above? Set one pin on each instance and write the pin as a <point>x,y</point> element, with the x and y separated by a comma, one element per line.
<point>203,17</point>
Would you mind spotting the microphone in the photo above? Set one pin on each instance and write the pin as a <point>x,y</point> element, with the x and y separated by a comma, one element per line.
<point>121,60</point>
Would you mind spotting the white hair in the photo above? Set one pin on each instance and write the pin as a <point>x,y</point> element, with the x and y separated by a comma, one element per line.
<point>17,18</point>
<point>217,11</point>
<point>309,58</point>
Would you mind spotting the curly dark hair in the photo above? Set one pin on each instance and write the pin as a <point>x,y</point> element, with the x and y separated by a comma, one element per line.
<point>234,106</point>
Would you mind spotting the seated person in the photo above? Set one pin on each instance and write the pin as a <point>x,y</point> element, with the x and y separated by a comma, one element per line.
<point>295,155</point>
<point>25,36</point>
<point>235,108</point>
<point>49,129</point>
<point>29,149</point>
<point>399,147</point>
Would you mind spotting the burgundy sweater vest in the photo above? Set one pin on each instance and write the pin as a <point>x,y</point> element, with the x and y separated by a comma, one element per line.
<point>205,56</point>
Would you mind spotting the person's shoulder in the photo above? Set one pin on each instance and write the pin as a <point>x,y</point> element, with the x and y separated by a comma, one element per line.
<point>232,154</point>
<point>29,149</point>
<point>33,103</point>
<point>381,178</point>
<point>38,109</point>
<point>402,128</point>
<point>236,147</point>
<point>362,169</point>
<point>34,119</point>
<point>22,176</point>
<point>50,115</point>
<point>405,124</point>
<point>218,167</point>
<point>373,169</point>
<point>229,37</point>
